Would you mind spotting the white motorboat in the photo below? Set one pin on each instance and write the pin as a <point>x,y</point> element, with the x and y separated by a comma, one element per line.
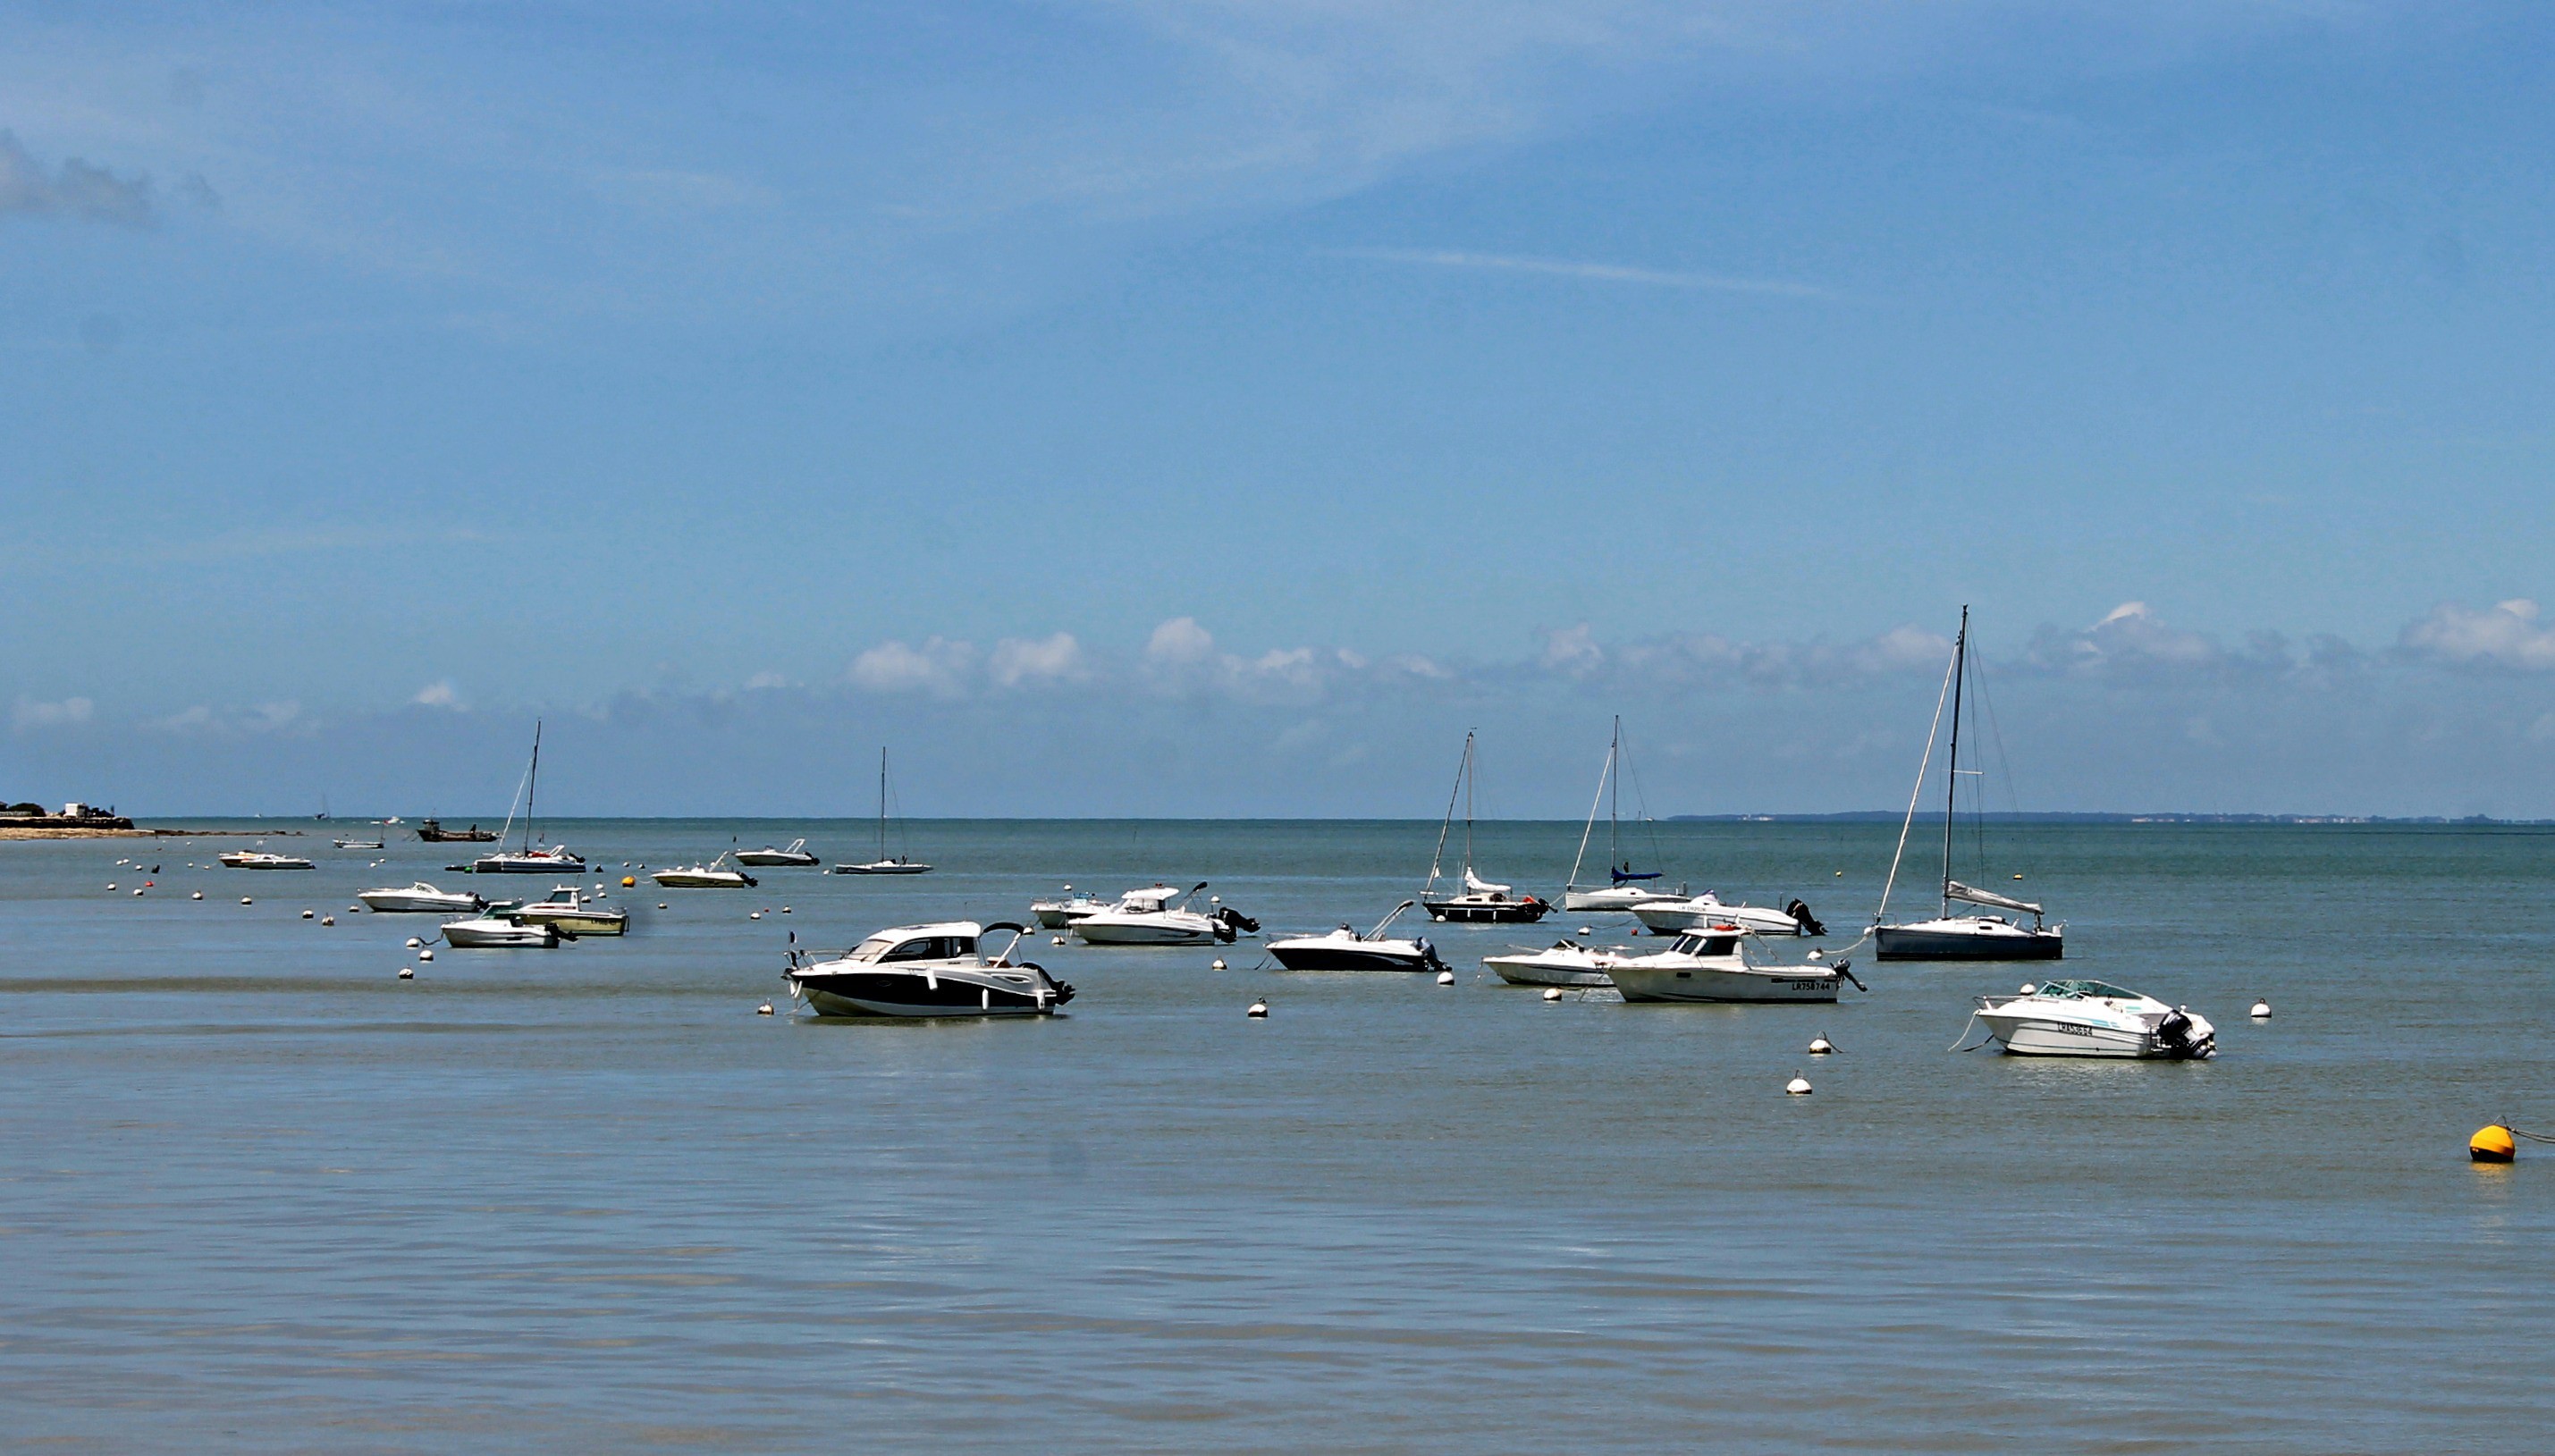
<point>356,843</point>
<point>1480,902</point>
<point>1947,936</point>
<point>794,857</point>
<point>1165,924</point>
<point>712,876</point>
<point>527,859</point>
<point>886,864</point>
<point>938,970</point>
<point>2095,1018</point>
<point>1563,963</point>
<point>488,932</point>
<point>258,859</point>
<point>1709,965</point>
<point>567,910</point>
<point>1705,911</point>
<point>1626,886</point>
<point>1344,949</point>
<point>420,898</point>
<point>1059,912</point>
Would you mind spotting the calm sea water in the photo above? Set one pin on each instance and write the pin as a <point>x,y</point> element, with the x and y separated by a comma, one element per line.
<point>257,1194</point>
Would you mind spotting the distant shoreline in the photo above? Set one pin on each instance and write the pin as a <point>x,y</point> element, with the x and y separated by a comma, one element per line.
<point>70,831</point>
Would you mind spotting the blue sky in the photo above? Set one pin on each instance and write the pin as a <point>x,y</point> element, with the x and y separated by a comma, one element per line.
<point>748,385</point>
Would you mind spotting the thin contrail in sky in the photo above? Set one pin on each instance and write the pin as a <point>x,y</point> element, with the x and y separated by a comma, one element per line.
<point>1566,267</point>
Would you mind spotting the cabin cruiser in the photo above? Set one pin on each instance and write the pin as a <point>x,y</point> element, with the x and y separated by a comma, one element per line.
<point>1344,949</point>
<point>1058,913</point>
<point>1710,965</point>
<point>1164,925</point>
<point>938,970</point>
<point>711,876</point>
<point>570,912</point>
<point>258,859</point>
<point>420,898</point>
<point>2095,1018</point>
<point>1565,963</point>
<point>1705,911</point>
<point>488,932</point>
<point>1486,904</point>
<point>794,857</point>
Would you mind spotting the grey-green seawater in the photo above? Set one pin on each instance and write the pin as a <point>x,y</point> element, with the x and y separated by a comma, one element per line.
<point>256,1193</point>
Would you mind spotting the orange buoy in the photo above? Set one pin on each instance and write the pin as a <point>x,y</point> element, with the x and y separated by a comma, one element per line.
<point>2492,1143</point>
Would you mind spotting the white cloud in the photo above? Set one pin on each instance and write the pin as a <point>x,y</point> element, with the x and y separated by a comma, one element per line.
<point>1180,642</point>
<point>2506,635</point>
<point>766,680</point>
<point>1590,271</point>
<point>438,694</point>
<point>1573,650</point>
<point>31,714</point>
<point>1057,658</point>
<point>939,666</point>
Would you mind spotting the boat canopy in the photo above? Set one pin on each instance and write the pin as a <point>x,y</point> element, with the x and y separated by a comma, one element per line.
<point>1955,890</point>
<point>2088,990</point>
<point>1479,885</point>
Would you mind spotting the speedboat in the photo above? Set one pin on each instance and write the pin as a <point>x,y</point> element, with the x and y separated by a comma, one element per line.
<point>1164,925</point>
<point>938,970</point>
<point>569,910</point>
<point>1971,937</point>
<point>796,856</point>
<point>420,898</point>
<point>1564,963</point>
<point>356,843</point>
<point>258,859</point>
<point>1056,913</point>
<point>2095,1018</point>
<point>488,932</point>
<point>1949,936</point>
<point>711,876</point>
<point>1710,965</point>
<point>1486,904</point>
<point>1705,911</point>
<point>1344,949</point>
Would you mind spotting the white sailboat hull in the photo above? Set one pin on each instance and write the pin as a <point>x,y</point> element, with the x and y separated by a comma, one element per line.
<point>1969,938</point>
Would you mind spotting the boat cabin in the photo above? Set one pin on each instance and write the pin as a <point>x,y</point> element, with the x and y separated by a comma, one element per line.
<point>951,940</point>
<point>1719,942</point>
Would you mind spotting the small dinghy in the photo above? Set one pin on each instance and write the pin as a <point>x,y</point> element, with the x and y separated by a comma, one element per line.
<point>487,932</point>
<point>420,898</point>
<point>1344,949</point>
<point>258,859</point>
<point>938,970</point>
<point>711,876</point>
<point>2095,1018</point>
<point>794,857</point>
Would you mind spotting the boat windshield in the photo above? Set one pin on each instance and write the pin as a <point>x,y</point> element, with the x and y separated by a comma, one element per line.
<point>885,948</point>
<point>1707,944</point>
<point>2086,989</point>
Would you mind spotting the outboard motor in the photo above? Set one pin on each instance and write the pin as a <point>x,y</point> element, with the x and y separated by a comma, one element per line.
<point>1231,925</point>
<point>1799,910</point>
<point>2174,1038</point>
<point>1429,955</point>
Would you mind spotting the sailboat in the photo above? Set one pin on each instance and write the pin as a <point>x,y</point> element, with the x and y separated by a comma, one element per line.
<point>549,859</point>
<point>1480,903</point>
<point>1947,936</point>
<point>883,864</point>
<point>1626,886</point>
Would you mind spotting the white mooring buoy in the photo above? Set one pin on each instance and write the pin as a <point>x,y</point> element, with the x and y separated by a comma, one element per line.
<point>763,1009</point>
<point>244,899</point>
<point>1055,940</point>
<point>754,914</point>
<point>1258,1009</point>
<point>111,884</point>
<point>309,916</point>
<point>425,955</point>
<point>1587,929</point>
<point>1800,1086</point>
<point>1446,978</point>
<point>199,894</point>
<point>2262,1011</point>
<point>327,919</point>
<point>414,942</point>
<point>1821,1046</point>
<point>137,894</point>
<point>1217,964</point>
<point>408,973</point>
<point>1552,993</point>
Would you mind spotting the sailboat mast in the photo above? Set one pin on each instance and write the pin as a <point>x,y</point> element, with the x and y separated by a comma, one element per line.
<point>1615,804</point>
<point>1469,775</point>
<point>1952,765</point>
<point>881,802</point>
<point>532,786</point>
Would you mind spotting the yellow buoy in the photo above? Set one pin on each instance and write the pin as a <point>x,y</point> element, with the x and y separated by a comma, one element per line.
<point>2492,1144</point>
<point>627,881</point>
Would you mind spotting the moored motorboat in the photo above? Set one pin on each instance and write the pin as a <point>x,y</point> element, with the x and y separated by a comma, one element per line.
<point>420,898</point>
<point>2078,1017</point>
<point>1705,911</point>
<point>935,970</point>
<point>712,876</point>
<point>1563,963</point>
<point>1062,910</point>
<point>488,932</point>
<point>1131,924</point>
<point>1344,949</point>
<point>356,843</point>
<point>258,859</point>
<point>566,909</point>
<point>794,857</point>
<point>1712,965</point>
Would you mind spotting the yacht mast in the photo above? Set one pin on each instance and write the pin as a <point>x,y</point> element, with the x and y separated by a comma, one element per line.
<point>1468,776</point>
<point>1952,764</point>
<point>1438,858</point>
<point>531,785</point>
<point>882,803</point>
<point>1615,805</point>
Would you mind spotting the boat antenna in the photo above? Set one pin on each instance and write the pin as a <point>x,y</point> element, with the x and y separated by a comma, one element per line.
<point>1952,762</point>
<point>1438,856</point>
<point>1922,765</point>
